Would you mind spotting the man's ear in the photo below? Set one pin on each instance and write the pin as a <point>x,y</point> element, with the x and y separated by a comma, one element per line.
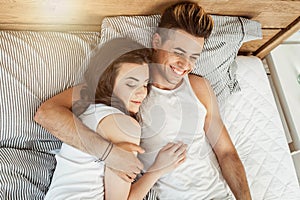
<point>156,41</point>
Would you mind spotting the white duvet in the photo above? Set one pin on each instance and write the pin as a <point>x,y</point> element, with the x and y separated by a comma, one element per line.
<point>254,124</point>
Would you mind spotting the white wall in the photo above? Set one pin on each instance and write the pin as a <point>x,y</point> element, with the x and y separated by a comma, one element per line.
<point>285,72</point>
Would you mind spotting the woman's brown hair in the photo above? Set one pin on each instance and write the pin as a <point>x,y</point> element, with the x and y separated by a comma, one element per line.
<point>103,68</point>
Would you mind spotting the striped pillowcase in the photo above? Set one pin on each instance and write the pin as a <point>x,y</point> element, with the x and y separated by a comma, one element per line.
<point>34,66</point>
<point>217,61</point>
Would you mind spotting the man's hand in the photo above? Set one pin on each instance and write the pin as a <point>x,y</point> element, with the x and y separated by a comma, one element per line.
<point>123,161</point>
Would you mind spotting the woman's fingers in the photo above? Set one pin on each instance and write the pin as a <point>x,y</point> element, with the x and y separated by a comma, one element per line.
<point>182,155</point>
<point>167,146</point>
<point>182,160</point>
<point>181,150</point>
<point>175,146</point>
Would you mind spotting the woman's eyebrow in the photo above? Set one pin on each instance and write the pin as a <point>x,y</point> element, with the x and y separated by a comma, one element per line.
<point>132,78</point>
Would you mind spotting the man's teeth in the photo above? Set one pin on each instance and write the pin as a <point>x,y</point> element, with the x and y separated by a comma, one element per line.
<point>179,72</point>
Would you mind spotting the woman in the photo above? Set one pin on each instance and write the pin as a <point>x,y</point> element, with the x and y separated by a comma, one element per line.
<point>115,86</point>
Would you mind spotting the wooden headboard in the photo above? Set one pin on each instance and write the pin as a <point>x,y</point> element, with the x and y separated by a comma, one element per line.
<point>279,18</point>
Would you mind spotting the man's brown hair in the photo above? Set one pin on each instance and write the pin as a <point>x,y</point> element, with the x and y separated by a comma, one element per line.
<point>187,16</point>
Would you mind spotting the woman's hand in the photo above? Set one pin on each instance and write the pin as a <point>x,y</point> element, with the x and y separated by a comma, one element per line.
<point>169,157</point>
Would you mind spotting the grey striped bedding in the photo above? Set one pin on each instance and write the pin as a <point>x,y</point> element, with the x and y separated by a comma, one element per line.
<point>37,65</point>
<point>33,67</point>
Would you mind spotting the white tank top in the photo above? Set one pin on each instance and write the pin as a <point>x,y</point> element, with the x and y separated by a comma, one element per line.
<point>178,115</point>
<point>77,175</point>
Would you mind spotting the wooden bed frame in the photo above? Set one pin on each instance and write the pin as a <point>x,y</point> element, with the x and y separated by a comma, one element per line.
<point>279,18</point>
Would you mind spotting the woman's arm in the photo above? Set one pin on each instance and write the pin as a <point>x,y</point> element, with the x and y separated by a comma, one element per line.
<point>121,128</point>
<point>118,128</point>
<point>55,115</point>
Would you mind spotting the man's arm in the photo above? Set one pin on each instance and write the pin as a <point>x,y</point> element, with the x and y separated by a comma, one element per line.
<point>230,163</point>
<point>55,115</point>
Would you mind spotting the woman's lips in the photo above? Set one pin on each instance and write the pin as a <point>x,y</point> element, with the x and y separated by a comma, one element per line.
<point>136,102</point>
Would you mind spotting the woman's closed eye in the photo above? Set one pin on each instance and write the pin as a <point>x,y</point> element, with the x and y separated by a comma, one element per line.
<point>132,85</point>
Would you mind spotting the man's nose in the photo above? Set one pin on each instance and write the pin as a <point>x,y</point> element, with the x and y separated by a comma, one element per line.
<point>185,63</point>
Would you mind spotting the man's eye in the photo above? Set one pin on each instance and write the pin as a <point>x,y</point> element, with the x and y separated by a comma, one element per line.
<point>193,58</point>
<point>178,54</point>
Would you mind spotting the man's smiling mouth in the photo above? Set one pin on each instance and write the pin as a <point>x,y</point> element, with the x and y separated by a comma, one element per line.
<point>178,71</point>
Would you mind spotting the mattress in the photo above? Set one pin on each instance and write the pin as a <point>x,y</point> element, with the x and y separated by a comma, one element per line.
<point>254,124</point>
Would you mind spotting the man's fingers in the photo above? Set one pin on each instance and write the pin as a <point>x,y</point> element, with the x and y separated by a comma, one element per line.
<point>137,170</point>
<point>135,148</point>
<point>126,178</point>
<point>131,175</point>
<point>130,147</point>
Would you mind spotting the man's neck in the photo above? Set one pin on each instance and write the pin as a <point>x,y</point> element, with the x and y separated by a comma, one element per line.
<point>160,82</point>
<point>165,86</point>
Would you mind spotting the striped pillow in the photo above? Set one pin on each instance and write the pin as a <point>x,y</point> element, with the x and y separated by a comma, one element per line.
<point>216,62</point>
<point>33,67</point>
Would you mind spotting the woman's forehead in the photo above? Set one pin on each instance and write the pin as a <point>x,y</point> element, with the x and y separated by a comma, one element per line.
<point>138,71</point>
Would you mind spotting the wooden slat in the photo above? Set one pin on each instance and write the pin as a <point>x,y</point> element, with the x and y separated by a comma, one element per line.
<point>276,14</point>
<point>50,27</point>
<point>278,38</point>
<point>254,45</point>
<point>280,20</point>
<point>87,15</point>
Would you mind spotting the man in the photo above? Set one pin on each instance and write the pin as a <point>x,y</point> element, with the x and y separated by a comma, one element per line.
<point>175,52</point>
<point>180,106</point>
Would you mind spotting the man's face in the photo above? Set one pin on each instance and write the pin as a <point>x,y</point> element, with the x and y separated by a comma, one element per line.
<point>176,56</point>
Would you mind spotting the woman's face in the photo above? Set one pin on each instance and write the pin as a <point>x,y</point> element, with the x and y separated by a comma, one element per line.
<point>131,85</point>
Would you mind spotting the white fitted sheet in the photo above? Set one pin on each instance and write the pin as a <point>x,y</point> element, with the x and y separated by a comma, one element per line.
<point>254,124</point>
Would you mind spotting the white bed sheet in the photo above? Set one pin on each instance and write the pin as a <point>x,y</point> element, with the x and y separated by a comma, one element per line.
<point>254,124</point>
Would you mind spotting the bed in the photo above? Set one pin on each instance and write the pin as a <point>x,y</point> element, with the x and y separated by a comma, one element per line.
<point>254,125</point>
<point>43,45</point>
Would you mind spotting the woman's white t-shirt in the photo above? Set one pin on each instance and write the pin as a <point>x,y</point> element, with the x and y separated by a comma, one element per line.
<point>79,175</point>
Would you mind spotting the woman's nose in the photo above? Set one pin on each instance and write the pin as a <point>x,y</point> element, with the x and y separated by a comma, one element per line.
<point>141,92</point>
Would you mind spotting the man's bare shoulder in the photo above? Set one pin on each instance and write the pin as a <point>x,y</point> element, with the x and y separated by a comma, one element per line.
<point>201,87</point>
<point>198,80</point>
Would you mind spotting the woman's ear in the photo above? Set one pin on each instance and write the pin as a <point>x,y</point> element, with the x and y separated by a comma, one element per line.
<point>156,41</point>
